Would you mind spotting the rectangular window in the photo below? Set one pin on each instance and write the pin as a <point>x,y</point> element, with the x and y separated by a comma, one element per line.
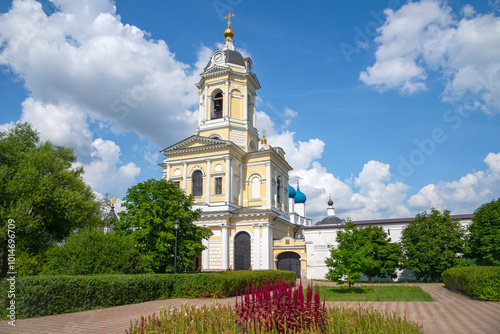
<point>218,185</point>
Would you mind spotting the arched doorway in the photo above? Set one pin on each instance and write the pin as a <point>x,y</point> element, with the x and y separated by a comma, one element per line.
<point>242,251</point>
<point>289,261</point>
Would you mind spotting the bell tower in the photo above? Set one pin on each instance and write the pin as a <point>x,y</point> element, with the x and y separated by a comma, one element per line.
<point>228,90</point>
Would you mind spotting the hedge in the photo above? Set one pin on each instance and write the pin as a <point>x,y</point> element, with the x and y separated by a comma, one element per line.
<point>479,282</point>
<point>48,295</point>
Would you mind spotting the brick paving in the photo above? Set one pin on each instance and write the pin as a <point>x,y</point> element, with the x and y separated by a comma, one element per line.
<point>449,313</point>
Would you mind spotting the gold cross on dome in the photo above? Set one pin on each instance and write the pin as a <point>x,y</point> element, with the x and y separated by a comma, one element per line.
<point>264,132</point>
<point>113,200</point>
<point>298,177</point>
<point>228,17</point>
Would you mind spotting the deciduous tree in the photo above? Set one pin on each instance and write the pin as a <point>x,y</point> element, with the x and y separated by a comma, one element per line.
<point>384,257</point>
<point>346,262</point>
<point>484,237</point>
<point>41,192</point>
<point>92,252</point>
<point>432,243</point>
<point>152,208</point>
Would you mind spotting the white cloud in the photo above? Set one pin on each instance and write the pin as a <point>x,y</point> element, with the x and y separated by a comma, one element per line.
<point>83,58</point>
<point>104,173</point>
<point>464,195</point>
<point>424,36</point>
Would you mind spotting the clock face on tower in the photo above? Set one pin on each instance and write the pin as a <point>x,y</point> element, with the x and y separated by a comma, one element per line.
<point>218,57</point>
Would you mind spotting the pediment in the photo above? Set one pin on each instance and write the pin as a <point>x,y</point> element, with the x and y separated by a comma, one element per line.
<point>216,69</point>
<point>194,142</point>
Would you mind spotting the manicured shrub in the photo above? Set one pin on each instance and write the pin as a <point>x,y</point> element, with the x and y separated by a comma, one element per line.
<point>47,295</point>
<point>476,281</point>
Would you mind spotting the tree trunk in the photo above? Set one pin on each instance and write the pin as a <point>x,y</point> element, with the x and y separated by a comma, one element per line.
<point>5,263</point>
<point>369,278</point>
<point>349,286</point>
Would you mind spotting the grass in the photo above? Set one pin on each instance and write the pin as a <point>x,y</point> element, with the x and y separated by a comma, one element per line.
<point>375,294</point>
<point>384,282</point>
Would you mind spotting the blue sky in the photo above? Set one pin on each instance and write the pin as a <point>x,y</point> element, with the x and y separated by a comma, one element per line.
<point>392,107</point>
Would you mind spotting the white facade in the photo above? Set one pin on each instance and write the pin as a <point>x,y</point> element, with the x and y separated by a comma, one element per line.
<point>320,239</point>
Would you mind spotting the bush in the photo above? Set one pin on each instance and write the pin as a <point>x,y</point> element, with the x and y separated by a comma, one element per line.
<point>478,282</point>
<point>48,295</point>
<point>93,252</point>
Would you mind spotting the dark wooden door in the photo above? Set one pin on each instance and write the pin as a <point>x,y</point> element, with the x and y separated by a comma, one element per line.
<point>289,261</point>
<point>242,251</point>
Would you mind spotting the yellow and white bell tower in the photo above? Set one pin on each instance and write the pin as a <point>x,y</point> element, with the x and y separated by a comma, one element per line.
<point>228,89</point>
<point>241,189</point>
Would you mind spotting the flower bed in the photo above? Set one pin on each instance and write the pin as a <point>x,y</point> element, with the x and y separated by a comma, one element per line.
<point>283,311</point>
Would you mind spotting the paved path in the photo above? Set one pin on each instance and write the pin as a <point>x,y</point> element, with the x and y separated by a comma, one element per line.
<point>449,313</point>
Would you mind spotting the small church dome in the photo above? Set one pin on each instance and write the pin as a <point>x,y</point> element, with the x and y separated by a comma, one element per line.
<point>300,197</point>
<point>291,191</point>
<point>330,202</point>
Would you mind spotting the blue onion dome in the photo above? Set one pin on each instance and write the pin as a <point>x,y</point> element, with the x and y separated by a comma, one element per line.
<point>291,191</point>
<point>300,197</point>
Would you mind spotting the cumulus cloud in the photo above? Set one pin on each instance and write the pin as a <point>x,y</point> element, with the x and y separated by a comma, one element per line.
<point>299,154</point>
<point>104,173</point>
<point>84,59</point>
<point>424,36</point>
<point>463,195</point>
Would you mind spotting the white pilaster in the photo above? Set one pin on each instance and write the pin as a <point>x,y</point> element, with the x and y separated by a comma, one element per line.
<point>169,169</point>
<point>267,248</point>
<point>245,107</point>
<point>242,184</point>
<point>225,248</point>
<point>184,179</point>
<point>232,187</point>
<point>226,100</point>
<point>256,247</point>
<point>204,255</point>
<point>205,105</point>
<point>268,185</point>
<point>209,180</point>
<point>229,177</point>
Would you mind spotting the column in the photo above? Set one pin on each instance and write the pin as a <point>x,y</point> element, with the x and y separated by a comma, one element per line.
<point>225,248</point>
<point>245,107</point>
<point>184,178</point>
<point>200,112</point>
<point>226,100</point>
<point>242,185</point>
<point>256,247</point>
<point>267,247</point>
<point>229,177</point>
<point>204,255</point>
<point>268,185</point>
<point>169,168</point>
<point>231,172</point>
<point>209,180</point>
<point>205,105</point>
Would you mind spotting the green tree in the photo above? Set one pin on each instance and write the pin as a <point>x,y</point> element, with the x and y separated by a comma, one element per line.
<point>384,257</point>
<point>152,208</point>
<point>91,252</point>
<point>484,236</point>
<point>432,243</point>
<point>347,261</point>
<point>41,192</point>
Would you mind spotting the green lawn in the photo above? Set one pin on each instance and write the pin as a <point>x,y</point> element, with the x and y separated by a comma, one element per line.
<point>375,293</point>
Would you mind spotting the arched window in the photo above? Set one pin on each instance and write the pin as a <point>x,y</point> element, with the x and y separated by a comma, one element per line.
<point>251,146</point>
<point>217,106</point>
<point>255,187</point>
<point>278,189</point>
<point>197,180</point>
